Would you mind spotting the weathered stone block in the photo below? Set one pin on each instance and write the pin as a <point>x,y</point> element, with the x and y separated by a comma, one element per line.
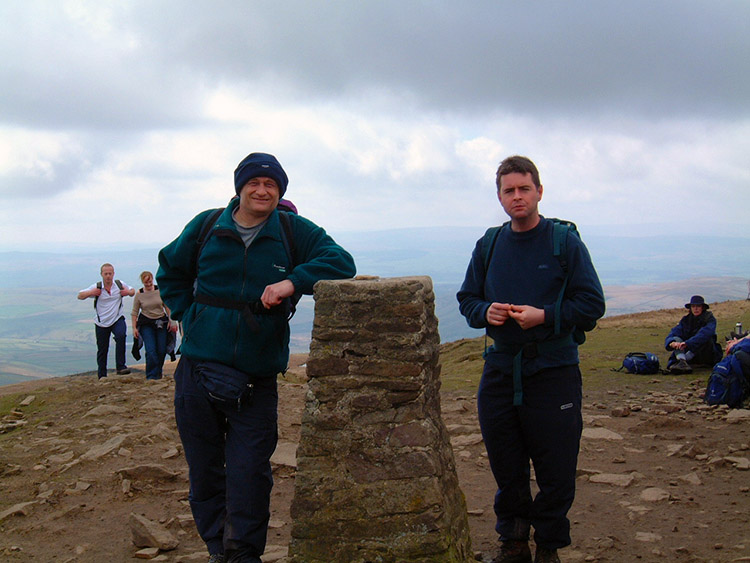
<point>328,365</point>
<point>376,478</point>
<point>385,368</point>
<point>414,434</point>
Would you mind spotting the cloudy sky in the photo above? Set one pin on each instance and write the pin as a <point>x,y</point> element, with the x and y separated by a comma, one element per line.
<point>119,121</point>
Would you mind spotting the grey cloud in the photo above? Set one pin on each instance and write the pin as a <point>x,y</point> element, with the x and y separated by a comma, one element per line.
<point>62,177</point>
<point>645,57</point>
<point>153,69</point>
<point>64,75</point>
<point>54,174</point>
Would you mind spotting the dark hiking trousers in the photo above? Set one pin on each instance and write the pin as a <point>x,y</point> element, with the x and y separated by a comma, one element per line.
<point>118,330</point>
<point>228,453</point>
<point>155,342</point>
<point>546,430</point>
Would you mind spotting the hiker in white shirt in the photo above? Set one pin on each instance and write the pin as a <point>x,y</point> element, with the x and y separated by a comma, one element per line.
<point>109,320</point>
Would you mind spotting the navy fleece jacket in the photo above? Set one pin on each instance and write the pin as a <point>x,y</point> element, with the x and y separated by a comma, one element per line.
<point>524,271</point>
<point>696,332</point>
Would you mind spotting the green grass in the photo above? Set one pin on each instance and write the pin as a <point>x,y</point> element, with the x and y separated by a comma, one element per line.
<point>604,349</point>
<point>462,364</point>
<point>45,408</point>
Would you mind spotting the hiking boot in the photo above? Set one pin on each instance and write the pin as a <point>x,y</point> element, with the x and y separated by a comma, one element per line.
<point>513,551</point>
<point>681,367</point>
<point>216,558</point>
<point>544,555</point>
<point>123,371</point>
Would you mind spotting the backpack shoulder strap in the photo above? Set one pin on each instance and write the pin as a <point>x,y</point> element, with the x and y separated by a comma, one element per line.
<point>488,244</point>
<point>204,234</point>
<point>287,237</point>
<point>96,299</point>
<point>560,230</point>
<point>119,284</point>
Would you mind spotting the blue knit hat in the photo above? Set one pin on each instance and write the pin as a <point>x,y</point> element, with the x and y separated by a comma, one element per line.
<point>260,164</point>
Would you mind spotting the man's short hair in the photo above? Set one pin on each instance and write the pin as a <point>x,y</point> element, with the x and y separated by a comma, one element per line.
<point>520,165</point>
<point>106,264</point>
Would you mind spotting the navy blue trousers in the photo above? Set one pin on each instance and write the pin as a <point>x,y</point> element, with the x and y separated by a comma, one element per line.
<point>228,452</point>
<point>546,431</point>
<point>155,343</point>
<point>119,331</point>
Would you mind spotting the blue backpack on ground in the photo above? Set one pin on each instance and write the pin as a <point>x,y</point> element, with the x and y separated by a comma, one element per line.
<point>727,384</point>
<point>644,363</point>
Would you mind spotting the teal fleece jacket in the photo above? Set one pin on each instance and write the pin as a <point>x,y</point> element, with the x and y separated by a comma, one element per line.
<point>227,270</point>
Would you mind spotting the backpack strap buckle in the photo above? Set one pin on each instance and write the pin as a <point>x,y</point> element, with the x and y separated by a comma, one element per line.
<point>530,350</point>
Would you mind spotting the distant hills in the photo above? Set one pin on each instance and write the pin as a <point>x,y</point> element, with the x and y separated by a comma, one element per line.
<point>45,330</point>
<point>439,252</point>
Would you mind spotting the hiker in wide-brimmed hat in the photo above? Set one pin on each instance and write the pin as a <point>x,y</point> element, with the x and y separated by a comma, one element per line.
<point>693,340</point>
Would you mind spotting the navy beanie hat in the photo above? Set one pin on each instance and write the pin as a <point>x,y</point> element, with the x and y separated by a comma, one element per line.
<point>260,164</point>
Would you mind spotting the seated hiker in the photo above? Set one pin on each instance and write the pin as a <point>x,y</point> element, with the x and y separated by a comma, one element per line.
<point>693,340</point>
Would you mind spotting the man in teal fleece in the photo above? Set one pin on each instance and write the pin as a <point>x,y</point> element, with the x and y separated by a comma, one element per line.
<point>233,297</point>
<point>535,306</point>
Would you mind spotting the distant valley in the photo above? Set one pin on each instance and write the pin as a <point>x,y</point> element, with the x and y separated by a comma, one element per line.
<point>45,331</point>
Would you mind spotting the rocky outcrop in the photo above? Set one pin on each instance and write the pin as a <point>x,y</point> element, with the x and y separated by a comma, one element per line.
<point>376,478</point>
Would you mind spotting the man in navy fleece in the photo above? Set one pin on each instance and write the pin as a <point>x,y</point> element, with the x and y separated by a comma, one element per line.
<point>535,306</point>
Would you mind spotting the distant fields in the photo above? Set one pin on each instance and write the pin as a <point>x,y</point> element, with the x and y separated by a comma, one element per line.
<point>22,359</point>
<point>48,332</point>
<point>45,330</point>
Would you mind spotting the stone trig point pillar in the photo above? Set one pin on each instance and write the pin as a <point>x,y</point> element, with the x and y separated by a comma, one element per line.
<point>376,479</point>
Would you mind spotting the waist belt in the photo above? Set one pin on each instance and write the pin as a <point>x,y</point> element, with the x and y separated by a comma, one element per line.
<point>248,309</point>
<point>159,323</point>
<point>529,350</point>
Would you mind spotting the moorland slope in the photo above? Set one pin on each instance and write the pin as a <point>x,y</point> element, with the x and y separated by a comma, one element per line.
<point>663,477</point>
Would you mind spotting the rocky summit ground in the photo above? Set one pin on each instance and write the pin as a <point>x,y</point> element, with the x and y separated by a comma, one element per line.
<point>89,469</point>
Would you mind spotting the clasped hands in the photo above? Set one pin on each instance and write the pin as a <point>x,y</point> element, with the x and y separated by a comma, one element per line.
<point>525,315</point>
